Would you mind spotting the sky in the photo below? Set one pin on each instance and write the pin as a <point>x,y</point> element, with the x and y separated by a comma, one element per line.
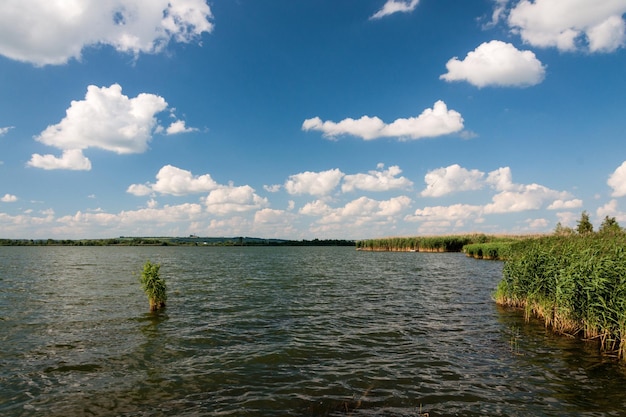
<point>328,119</point>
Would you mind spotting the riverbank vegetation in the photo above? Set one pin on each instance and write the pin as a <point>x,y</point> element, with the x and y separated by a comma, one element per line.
<point>573,280</point>
<point>477,245</point>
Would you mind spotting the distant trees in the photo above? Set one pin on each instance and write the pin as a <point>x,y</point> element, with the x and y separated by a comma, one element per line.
<point>584,227</point>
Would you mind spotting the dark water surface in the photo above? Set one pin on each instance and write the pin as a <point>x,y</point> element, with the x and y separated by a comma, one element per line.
<point>281,332</point>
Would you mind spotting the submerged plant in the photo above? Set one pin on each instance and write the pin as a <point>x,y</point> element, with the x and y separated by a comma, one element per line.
<point>153,285</point>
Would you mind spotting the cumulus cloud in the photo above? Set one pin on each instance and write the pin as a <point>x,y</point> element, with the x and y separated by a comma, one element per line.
<point>226,200</point>
<point>395,6</point>
<point>108,120</point>
<point>175,181</point>
<point>509,197</point>
<point>179,127</point>
<point>496,63</point>
<point>314,183</point>
<point>105,119</point>
<point>450,179</point>
<point>71,159</point>
<point>565,204</point>
<point>526,197</point>
<point>361,211</point>
<point>383,180</point>
<point>570,24</point>
<point>437,121</point>
<point>8,198</point>
<point>452,212</point>
<point>44,32</point>
<point>617,181</point>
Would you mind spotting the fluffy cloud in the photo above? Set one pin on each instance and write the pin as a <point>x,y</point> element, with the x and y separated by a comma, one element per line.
<point>450,179</point>
<point>226,200</point>
<point>179,127</point>
<point>314,183</point>
<point>105,119</point>
<point>395,6</point>
<point>383,180</point>
<point>509,197</point>
<point>433,122</point>
<point>72,159</point>
<point>527,197</point>
<point>8,198</point>
<point>175,181</point>
<point>617,181</point>
<point>361,211</point>
<point>565,204</point>
<point>46,32</point>
<point>108,120</point>
<point>570,24</point>
<point>453,212</point>
<point>496,63</point>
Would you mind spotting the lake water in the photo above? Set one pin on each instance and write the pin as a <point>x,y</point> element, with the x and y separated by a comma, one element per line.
<point>272,331</point>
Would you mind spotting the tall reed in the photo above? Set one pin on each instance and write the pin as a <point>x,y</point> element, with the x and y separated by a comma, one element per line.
<point>576,284</point>
<point>153,285</point>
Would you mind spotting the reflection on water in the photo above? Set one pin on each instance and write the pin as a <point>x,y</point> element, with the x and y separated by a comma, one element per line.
<point>281,331</point>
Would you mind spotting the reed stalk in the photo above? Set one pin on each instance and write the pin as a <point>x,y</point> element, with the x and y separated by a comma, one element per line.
<point>153,285</point>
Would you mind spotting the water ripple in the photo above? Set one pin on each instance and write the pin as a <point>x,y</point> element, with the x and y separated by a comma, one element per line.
<point>281,332</point>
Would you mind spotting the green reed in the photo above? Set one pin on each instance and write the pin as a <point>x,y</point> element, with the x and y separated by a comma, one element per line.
<point>575,283</point>
<point>153,285</point>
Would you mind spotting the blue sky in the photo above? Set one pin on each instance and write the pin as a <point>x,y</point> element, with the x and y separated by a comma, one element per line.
<point>310,119</point>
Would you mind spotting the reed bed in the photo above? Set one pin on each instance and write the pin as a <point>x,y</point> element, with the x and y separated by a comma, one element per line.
<point>575,283</point>
<point>498,250</point>
<point>451,243</point>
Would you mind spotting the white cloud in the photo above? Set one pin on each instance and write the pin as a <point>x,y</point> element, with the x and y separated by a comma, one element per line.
<point>314,183</point>
<point>46,32</point>
<point>437,121</point>
<point>72,159</point>
<point>8,198</point>
<point>395,6</point>
<point>175,181</point>
<point>108,120</point>
<point>565,204</point>
<point>272,188</point>
<point>453,178</point>
<point>611,209</point>
<point>452,212</point>
<point>383,180</point>
<point>178,126</point>
<point>527,197</point>
<point>617,181</point>
<point>139,189</point>
<point>361,211</point>
<point>537,224</point>
<point>226,200</point>
<point>496,63</point>
<point>570,24</point>
<point>509,197</point>
<point>4,130</point>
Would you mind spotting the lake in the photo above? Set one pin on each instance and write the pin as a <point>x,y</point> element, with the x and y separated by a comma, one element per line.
<point>281,331</point>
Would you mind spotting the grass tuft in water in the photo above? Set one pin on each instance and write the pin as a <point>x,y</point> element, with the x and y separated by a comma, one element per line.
<point>153,285</point>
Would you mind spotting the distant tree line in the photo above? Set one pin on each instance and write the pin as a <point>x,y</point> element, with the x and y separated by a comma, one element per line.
<point>166,241</point>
